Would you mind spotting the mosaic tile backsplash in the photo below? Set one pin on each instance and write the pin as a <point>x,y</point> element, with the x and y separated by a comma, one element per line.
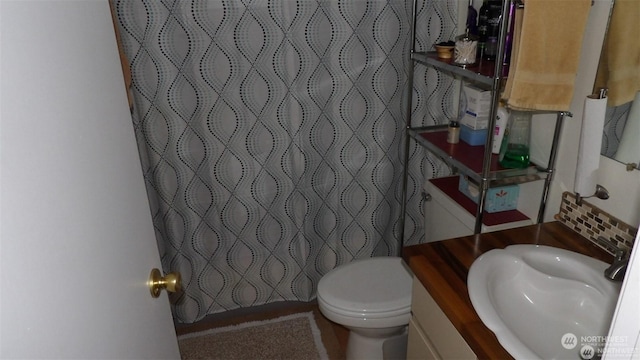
<point>600,227</point>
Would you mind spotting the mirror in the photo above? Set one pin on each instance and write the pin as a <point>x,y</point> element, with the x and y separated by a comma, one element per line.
<point>615,130</point>
<point>620,54</point>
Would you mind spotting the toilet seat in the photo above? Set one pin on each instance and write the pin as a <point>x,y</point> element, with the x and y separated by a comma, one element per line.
<point>368,289</point>
<point>368,315</point>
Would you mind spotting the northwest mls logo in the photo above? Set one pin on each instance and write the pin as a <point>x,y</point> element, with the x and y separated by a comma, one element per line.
<point>569,341</point>
<point>590,346</point>
<point>587,352</point>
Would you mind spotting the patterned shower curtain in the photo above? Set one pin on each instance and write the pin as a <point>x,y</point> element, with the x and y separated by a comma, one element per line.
<point>270,134</point>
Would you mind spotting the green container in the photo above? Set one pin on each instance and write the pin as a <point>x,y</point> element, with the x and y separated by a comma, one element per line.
<point>514,152</point>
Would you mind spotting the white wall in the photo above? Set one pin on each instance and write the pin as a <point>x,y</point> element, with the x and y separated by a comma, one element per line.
<point>624,189</point>
<point>623,186</point>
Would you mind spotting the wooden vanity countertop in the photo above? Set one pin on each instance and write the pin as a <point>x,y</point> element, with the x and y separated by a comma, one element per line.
<point>442,268</point>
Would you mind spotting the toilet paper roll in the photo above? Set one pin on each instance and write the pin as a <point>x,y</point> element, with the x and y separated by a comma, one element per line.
<point>629,148</point>
<point>590,144</point>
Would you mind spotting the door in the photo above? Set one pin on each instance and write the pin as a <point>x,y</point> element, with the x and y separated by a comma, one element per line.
<point>76,238</point>
<point>624,334</point>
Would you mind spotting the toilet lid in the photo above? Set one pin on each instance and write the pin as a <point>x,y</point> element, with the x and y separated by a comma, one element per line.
<point>368,286</point>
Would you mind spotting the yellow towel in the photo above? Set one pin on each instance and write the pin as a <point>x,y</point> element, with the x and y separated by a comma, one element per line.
<point>548,53</point>
<point>619,68</point>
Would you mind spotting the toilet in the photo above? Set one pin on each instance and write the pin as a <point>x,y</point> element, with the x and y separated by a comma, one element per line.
<point>372,298</point>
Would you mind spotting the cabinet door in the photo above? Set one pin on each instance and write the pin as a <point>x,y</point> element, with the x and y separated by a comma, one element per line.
<point>440,223</point>
<point>418,346</point>
<point>438,329</point>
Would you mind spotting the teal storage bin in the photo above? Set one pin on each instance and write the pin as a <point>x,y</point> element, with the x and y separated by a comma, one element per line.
<point>498,199</point>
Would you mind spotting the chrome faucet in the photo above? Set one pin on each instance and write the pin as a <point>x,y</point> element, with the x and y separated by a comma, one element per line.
<point>618,268</point>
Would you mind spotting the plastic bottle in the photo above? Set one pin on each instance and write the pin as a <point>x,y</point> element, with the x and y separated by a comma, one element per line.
<point>493,29</point>
<point>472,16</point>
<point>483,17</point>
<point>453,132</point>
<point>508,44</point>
<point>502,118</point>
<point>514,152</point>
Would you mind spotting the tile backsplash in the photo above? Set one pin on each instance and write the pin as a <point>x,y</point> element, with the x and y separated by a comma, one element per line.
<point>600,227</point>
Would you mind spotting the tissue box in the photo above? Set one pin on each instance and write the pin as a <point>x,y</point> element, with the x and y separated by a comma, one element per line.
<point>498,199</point>
<point>477,103</point>
<point>473,137</point>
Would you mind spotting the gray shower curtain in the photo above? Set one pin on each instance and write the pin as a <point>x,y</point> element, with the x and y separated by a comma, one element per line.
<point>270,134</point>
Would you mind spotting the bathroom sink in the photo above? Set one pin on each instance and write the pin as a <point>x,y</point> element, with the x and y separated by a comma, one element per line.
<point>543,302</point>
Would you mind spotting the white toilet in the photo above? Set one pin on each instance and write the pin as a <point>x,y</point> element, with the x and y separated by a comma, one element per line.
<point>372,298</point>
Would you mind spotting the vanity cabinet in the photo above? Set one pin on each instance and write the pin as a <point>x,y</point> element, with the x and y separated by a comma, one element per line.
<point>431,333</point>
<point>440,294</point>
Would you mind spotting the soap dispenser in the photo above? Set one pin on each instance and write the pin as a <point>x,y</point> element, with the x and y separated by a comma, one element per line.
<point>514,152</point>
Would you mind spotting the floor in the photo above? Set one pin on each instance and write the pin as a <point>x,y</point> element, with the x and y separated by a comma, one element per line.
<point>335,336</point>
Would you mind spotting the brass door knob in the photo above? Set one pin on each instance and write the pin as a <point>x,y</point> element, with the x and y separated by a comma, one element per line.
<point>172,282</point>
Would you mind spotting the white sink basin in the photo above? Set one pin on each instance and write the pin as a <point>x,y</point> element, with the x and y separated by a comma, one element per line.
<point>531,296</point>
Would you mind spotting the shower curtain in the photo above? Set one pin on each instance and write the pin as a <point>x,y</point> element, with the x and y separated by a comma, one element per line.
<point>271,137</point>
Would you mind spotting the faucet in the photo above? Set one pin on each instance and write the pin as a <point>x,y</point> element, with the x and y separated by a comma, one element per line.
<point>618,268</point>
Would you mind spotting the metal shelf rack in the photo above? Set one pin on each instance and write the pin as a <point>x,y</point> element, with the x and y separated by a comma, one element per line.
<point>483,166</point>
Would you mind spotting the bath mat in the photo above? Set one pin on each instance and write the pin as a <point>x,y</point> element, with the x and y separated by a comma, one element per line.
<point>295,336</point>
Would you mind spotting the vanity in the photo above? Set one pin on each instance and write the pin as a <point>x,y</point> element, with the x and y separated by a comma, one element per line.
<point>444,324</point>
